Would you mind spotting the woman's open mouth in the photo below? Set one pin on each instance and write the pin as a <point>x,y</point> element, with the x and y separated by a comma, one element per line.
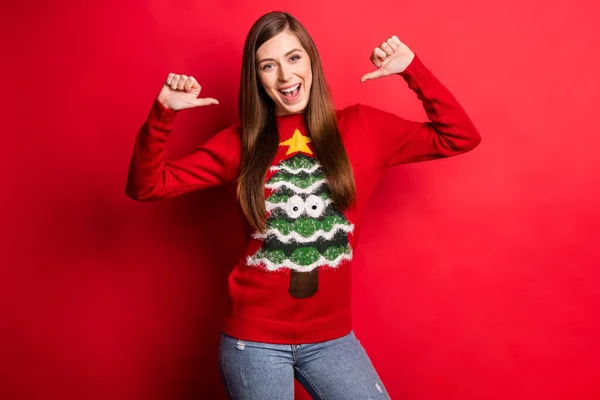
<point>292,94</point>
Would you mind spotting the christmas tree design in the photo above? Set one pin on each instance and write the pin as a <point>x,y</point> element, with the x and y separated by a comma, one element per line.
<point>304,231</point>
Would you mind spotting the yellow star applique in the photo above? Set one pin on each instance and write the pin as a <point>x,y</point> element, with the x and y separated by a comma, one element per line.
<point>297,143</point>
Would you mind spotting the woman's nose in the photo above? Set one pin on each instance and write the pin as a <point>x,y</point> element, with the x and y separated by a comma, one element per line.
<point>284,74</point>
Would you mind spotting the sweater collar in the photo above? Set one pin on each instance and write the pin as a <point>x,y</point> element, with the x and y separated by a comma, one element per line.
<point>288,124</point>
<point>290,119</point>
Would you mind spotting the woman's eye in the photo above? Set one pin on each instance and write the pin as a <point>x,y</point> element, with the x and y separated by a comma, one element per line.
<point>264,67</point>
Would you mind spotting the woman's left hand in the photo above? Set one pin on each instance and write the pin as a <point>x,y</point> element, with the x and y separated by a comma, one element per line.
<point>392,57</point>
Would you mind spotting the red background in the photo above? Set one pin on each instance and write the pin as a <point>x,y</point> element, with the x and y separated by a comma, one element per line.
<point>476,276</point>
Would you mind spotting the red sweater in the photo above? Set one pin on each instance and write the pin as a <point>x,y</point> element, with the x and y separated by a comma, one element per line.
<point>292,285</point>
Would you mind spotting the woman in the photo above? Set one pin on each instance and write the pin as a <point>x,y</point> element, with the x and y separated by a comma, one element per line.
<point>304,172</point>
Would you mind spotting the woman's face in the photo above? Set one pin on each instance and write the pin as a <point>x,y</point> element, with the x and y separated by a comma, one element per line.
<point>283,64</point>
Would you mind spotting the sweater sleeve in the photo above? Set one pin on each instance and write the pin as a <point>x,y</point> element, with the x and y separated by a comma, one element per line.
<point>396,140</point>
<point>151,177</point>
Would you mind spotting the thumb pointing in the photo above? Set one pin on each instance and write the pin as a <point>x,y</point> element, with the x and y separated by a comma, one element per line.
<point>371,75</point>
<point>205,101</point>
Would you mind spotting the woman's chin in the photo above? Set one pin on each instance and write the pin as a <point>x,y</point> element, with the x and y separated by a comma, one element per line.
<point>292,108</point>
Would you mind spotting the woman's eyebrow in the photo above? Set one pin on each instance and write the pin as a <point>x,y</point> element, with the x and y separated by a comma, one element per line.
<point>286,54</point>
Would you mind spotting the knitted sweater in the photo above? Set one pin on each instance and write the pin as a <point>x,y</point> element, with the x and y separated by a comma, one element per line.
<point>292,284</point>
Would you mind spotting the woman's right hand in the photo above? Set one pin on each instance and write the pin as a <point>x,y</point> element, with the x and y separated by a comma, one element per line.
<point>181,91</point>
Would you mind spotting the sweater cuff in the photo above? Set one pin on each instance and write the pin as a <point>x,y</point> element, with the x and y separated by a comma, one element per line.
<point>417,74</point>
<point>161,117</point>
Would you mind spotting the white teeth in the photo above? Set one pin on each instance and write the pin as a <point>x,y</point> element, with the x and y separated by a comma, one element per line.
<point>290,89</point>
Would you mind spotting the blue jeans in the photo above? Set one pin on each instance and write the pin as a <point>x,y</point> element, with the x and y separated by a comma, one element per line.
<point>335,369</point>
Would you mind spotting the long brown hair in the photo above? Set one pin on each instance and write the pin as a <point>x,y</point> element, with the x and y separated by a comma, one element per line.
<point>260,138</point>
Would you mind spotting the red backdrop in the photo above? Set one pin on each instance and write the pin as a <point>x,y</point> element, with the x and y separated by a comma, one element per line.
<point>476,277</point>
